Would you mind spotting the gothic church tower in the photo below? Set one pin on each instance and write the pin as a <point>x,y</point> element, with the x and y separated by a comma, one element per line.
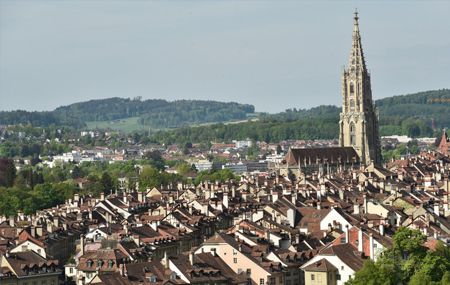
<point>358,119</point>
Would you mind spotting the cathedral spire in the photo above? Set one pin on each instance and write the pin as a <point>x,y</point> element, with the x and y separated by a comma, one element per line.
<point>356,62</point>
<point>358,119</point>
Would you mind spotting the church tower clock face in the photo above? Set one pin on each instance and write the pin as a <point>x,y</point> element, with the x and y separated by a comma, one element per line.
<point>358,120</point>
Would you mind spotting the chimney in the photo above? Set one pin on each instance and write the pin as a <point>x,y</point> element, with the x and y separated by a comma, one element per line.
<point>81,245</point>
<point>33,231</point>
<point>356,209</point>
<point>291,217</point>
<point>360,241</point>
<point>125,229</point>
<point>140,195</point>
<point>341,194</point>
<point>274,196</point>
<point>165,260</point>
<point>381,227</point>
<point>372,254</point>
<point>436,208</point>
<point>347,238</point>
<point>102,196</point>
<point>125,198</point>
<point>11,221</point>
<point>233,191</point>
<point>56,221</point>
<point>49,227</point>
<point>294,199</point>
<point>38,231</point>
<point>365,204</point>
<point>319,206</point>
<point>191,258</point>
<point>225,199</point>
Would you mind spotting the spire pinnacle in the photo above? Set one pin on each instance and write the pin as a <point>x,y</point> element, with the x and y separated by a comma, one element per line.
<point>357,61</point>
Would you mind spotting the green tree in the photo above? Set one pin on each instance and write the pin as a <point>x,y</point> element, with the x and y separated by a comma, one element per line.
<point>7,172</point>
<point>107,183</point>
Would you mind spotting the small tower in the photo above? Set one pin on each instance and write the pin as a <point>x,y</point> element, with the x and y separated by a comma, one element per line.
<point>358,120</point>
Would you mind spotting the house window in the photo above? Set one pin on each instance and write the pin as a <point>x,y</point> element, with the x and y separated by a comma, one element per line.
<point>71,270</point>
<point>249,271</point>
<point>261,281</point>
<point>235,260</point>
<point>313,277</point>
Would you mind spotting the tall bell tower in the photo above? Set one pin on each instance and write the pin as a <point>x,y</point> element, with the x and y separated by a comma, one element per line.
<point>358,120</point>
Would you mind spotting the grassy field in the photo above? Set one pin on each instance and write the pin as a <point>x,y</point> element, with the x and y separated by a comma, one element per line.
<point>131,124</point>
<point>125,125</point>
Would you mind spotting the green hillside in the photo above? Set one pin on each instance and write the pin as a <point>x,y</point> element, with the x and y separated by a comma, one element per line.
<point>157,114</point>
<point>417,115</point>
<point>411,115</point>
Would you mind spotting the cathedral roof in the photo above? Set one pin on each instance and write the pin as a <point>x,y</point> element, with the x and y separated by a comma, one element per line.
<point>304,156</point>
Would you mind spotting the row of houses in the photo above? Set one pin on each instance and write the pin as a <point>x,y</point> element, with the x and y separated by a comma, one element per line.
<point>315,228</point>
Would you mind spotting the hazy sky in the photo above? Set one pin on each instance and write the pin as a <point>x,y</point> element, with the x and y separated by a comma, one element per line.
<point>272,54</point>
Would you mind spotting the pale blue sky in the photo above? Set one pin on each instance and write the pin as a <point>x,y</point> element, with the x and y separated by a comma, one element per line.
<point>272,54</point>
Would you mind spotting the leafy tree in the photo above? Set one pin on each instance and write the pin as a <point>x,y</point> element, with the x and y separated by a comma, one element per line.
<point>107,183</point>
<point>406,262</point>
<point>7,172</point>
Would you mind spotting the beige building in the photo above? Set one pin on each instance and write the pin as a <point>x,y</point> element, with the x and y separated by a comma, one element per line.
<point>242,262</point>
<point>358,120</point>
<point>321,272</point>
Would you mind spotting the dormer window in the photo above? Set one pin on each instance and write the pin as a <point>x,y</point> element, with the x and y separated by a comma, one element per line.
<point>99,263</point>
<point>90,263</point>
<point>110,263</point>
<point>152,279</point>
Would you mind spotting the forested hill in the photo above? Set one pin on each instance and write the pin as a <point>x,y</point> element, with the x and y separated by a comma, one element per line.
<point>417,115</point>
<point>150,113</point>
<point>421,114</point>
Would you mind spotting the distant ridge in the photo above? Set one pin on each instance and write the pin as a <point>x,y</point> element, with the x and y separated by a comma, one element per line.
<point>155,113</point>
<point>418,114</point>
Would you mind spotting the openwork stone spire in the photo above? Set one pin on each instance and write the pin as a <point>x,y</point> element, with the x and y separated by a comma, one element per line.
<point>356,60</point>
<point>358,120</point>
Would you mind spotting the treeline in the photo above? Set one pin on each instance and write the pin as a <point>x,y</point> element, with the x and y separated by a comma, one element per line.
<point>417,115</point>
<point>38,187</point>
<point>264,130</point>
<point>189,112</point>
<point>154,113</point>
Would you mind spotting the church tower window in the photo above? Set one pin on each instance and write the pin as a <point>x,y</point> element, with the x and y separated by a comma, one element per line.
<point>352,134</point>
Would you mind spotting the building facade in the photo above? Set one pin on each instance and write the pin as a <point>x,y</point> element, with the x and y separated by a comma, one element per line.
<point>358,120</point>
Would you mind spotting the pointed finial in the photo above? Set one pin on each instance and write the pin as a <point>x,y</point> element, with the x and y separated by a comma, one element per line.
<point>356,15</point>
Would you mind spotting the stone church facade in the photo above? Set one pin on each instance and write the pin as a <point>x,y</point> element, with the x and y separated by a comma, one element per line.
<point>358,120</point>
<point>359,140</point>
